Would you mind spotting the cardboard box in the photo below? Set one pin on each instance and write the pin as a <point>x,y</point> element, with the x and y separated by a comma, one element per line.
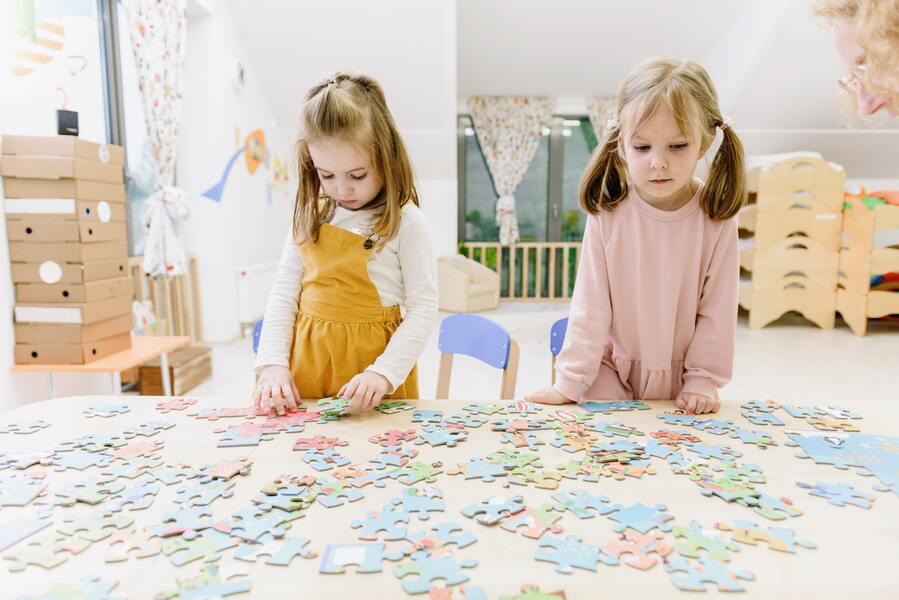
<point>75,189</point>
<point>39,230</point>
<point>70,354</point>
<point>43,333</point>
<point>51,272</point>
<point>70,252</point>
<point>62,145</point>
<point>188,367</point>
<point>83,314</point>
<point>65,209</point>
<point>53,167</point>
<point>73,293</point>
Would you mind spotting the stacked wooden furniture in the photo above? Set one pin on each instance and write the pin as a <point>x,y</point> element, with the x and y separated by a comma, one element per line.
<point>65,220</point>
<point>864,256</point>
<point>795,219</point>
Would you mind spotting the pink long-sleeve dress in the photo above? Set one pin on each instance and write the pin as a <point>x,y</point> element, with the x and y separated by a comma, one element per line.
<point>654,309</point>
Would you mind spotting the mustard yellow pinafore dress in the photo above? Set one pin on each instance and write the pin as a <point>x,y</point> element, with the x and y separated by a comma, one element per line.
<point>341,325</point>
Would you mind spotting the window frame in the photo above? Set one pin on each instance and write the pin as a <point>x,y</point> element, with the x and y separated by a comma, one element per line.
<point>555,176</point>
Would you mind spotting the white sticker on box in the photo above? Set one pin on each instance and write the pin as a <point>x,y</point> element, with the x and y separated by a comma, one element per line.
<point>50,272</point>
<point>827,217</point>
<point>39,206</point>
<point>104,211</point>
<point>103,153</point>
<point>46,314</point>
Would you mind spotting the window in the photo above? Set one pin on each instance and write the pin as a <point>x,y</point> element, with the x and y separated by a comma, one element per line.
<point>479,217</point>
<point>546,200</point>
<point>126,118</point>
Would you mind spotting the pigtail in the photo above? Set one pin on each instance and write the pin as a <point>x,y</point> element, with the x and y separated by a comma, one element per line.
<point>725,190</point>
<point>604,183</point>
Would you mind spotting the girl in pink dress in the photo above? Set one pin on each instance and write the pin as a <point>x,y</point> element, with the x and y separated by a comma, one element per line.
<point>654,310</point>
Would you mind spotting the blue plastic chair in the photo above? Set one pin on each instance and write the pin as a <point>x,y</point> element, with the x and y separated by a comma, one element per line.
<point>556,339</point>
<point>257,331</point>
<point>479,338</point>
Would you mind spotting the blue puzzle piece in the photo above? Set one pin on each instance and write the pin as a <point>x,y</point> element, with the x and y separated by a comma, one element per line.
<point>444,534</point>
<point>839,494</point>
<point>440,436</point>
<point>677,419</point>
<point>712,451</point>
<point>467,419</point>
<point>427,416</point>
<point>25,427</point>
<point>432,568</point>
<point>366,557</point>
<point>641,517</point>
<point>420,502</point>
<point>325,460</point>
<point>691,576</point>
<point>607,408</point>
<point>392,523</point>
<point>570,552</point>
<point>479,468</point>
<point>580,501</point>
<point>714,426</point>
<point>494,509</point>
<point>106,410</point>
<point>762,418</point>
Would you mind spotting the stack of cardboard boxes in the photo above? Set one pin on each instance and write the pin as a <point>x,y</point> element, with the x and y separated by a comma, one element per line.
<point>65,218</point>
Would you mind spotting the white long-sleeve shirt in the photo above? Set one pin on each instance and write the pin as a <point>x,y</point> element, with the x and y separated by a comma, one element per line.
<point>404,273</point>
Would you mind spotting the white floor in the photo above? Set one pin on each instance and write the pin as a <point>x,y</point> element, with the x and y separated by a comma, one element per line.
<point>791,362</point>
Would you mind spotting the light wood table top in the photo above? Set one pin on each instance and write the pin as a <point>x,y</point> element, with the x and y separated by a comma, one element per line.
<point>855,555</point>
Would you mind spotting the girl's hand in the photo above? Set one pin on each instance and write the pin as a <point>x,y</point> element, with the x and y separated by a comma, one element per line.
<point>696,404</point>
<point>365,390</point>
<point>276,390</point>
<point>547,396</point>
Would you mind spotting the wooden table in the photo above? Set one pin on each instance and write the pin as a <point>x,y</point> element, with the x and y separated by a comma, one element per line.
<point>143,348</point>
<point>855,555</point>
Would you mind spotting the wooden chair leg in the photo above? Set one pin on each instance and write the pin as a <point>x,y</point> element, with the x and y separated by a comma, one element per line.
<point>444,375</point>
<point>510,373</point>
<point>552,375</point>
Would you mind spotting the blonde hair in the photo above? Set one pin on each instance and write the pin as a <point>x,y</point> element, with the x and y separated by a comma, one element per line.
<point>687,90</point>
<point>352,108</point>
<point>876,27</point>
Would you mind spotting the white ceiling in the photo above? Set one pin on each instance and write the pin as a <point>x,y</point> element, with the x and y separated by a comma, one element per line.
<point>783,74</point>
<point>577,47</point>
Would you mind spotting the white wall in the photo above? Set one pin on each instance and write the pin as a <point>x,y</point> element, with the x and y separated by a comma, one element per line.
<point>28,106</point>
<point>242,229</point>
<point>409,46</point>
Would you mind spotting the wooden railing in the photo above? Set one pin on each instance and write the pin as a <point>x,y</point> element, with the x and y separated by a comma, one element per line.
<point>529,270</point>
<point>175,300</point>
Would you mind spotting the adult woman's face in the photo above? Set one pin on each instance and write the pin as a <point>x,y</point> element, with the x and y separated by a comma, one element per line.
<point>851,53</point>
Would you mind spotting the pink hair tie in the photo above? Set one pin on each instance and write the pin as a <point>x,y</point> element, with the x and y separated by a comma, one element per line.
<point>727,122</point>
<point>612,124</point>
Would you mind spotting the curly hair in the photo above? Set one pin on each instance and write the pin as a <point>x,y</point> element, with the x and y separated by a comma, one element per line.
<point>876,27</point>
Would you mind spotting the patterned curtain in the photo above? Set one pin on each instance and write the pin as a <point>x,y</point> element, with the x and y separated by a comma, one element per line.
<point>509,130</point>
<point>158,38</point>
<point>601,110</point>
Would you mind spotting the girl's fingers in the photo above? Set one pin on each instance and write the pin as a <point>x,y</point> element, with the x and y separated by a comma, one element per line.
<point>287,393</point>
<point>369,399</point>
<point>359,396</point>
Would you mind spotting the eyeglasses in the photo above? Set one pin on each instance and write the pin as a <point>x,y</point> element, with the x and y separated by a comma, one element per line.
<point>851,81</point>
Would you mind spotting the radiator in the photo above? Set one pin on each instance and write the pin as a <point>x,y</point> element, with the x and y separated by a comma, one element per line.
<point>253,285</point>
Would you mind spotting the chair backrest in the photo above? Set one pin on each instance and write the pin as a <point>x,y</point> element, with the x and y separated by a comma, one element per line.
<point>257,331</point>
<point>556,340</point>
<point>480,338</point>
<point>557,335</point>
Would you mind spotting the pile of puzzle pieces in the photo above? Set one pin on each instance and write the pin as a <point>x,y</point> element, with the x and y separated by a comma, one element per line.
<point>112,478</point>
